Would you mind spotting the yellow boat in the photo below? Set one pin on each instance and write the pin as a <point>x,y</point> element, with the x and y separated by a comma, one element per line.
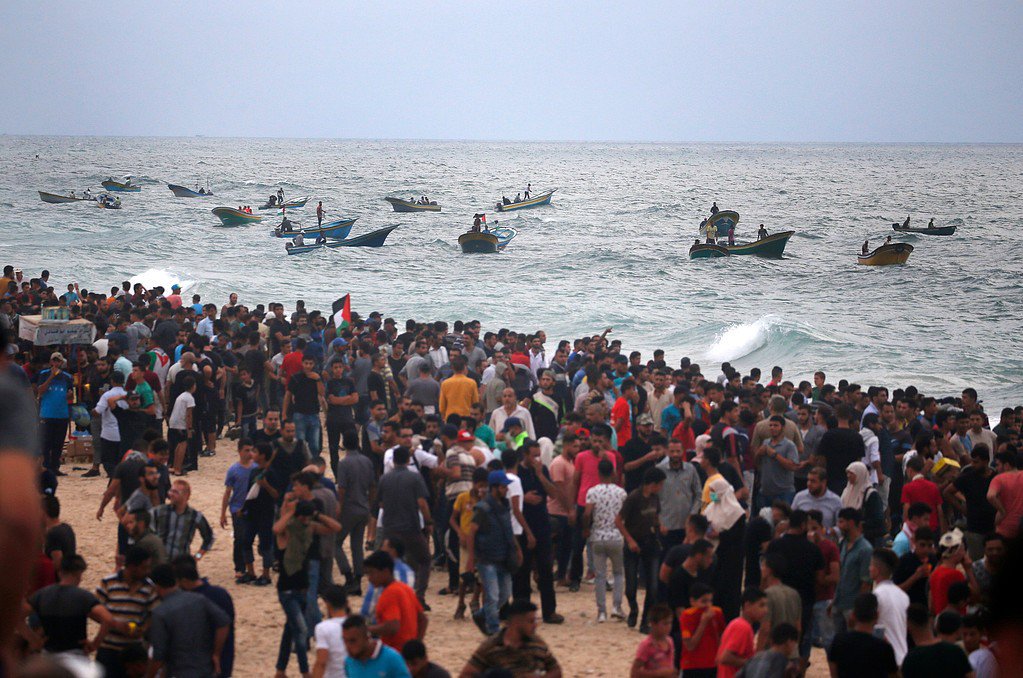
<point>887,255</point>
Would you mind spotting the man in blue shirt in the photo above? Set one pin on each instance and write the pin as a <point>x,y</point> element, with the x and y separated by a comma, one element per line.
<point>854,569</point>
<point>52,386</point>
<point>368,657</point>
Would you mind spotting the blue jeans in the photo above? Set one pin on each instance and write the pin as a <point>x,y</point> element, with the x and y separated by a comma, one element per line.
<point>295,632</point>
<point>497,589</point>
<point>307,428</point>
<point>248,426</point>
<point>823,629</point>
<point>765,500</point>
<point>312,607</point>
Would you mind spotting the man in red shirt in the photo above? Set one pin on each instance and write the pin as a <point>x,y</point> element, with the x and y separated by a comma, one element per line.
<point>584,477</point>
<point>737,645</point>
<point>1006,495</point>
<point>918,488</point>
<point>621,413</point>
<point>399,615</point>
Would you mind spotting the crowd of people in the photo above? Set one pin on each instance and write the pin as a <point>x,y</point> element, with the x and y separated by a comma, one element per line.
<point>736,522</point>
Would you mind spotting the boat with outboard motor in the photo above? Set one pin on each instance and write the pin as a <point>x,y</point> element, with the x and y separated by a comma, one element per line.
<point>932,230</point>
<point>372,239</point>
<point>400,205</point>
<point>478,242</point>
<point>229,216</point>
<point>707,251</point>
<point>292,204</point>
<point>183,192</point>
<point>768,246</point>
<point>108,202</point>
<point>538,201</point>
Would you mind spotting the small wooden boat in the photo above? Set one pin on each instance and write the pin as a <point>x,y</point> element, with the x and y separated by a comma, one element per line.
<point>723,220</point>
<point>121,187</point>
<point>478,242</point>
<point>771,246</point>
<point>372,239</point>
<point>55,199</point>
<point>542,199</point>
<point>292,204</point>
<point>182,192</point>
<point>887,255</point>
<point>707,251</point>
<point>336,229</point>
<point>937,230</point>
<point>230,216</point>
<point>108,202</point>
<point>400,205</point>
<point>504,236</point>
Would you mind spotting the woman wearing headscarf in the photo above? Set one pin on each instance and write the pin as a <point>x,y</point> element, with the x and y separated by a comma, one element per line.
<point>728,525</point>
<point>860,494</point>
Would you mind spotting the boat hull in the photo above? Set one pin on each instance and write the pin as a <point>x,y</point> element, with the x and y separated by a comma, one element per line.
<point>504,236</point>
<point>182,192</point>
<point>119,187</point>
<point>478,243</point>
<point>372,239</point>
<point>707,251</point>
<point>287,205</point>
<point>723,220</point>
<point>335,229</point>
<point>55,199</point>
<point>771,246</point>
<point>538,201</point>
<point>887,255</point>
<point>400,205</point>
<point>941,230</point>
<point>229,216</point>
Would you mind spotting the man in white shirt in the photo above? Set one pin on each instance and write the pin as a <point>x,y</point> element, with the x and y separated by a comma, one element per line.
<point>537,356</point>
<point>205,326</point>
<point>330,647</point>
<point>110,437</point>
<point>892,602</point>
<point>871,445</point>
<point>511,408</point>
<point>419,458</point>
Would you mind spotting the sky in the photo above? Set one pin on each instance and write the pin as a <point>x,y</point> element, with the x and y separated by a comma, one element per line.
<point>570,70</point>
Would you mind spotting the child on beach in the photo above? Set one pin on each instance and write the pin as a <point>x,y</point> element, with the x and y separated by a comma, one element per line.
<point>737,642</point>
<point>655,655</point>
<point>702,625</point>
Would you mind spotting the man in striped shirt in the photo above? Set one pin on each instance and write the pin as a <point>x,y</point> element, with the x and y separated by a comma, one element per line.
<point>176,523</point>
<point>130,598</point>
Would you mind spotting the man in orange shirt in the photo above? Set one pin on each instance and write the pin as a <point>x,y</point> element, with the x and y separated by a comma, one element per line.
<point>458,393</point>
<point>399,615</point>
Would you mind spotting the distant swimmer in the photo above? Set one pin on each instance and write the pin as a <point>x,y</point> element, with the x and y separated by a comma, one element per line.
<point>762,232</point>
<point>866,247</point>
<point>905,224</point>
<point>930,224</point>
<point>714,209</point>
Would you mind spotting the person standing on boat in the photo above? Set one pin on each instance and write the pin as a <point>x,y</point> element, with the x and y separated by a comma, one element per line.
<point>712,233</point>
<point>930,224</point>
<point>476,223</point>
<point>529,189</point>
<point>762,233</point>
<point>319,214</point>
<point>731,234</point>
<point>714,209</point>
<point>905,224</point>
<point>280,196</point>
<point>866,247</point>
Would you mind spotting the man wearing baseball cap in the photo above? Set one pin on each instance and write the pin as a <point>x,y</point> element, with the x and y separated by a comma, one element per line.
<point>493,550</point>
<point>52,386</point>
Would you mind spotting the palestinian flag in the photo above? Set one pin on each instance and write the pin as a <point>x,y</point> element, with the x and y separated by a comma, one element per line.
<point>342,309</point>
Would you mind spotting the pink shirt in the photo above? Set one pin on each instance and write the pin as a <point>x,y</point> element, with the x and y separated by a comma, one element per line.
<point>654,658</point>
<point>586,464</point>
<point>561,470</point>
<point>1009,488</point>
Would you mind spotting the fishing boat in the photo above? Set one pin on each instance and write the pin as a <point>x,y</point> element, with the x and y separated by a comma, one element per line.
<point>887,255</point>
<point>769,246</point>
<point>542,199</point>
<point>372,239</point>
<point>229,216</point>
<point>121,187</point>
<point>478,242</point>
<point>182,192</point>
<point>504,236</point>
<point>707,251</point>
<point>937,230</point>
<point>292,204</point>
<point>723,221</point>
<point>108,202</point>
<point>335,229</point>
<point>55,199</point>
<point>400,205</point>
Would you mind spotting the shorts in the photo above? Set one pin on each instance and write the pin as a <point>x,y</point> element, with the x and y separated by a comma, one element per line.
<point>176,436</point>
<point>463,560</point>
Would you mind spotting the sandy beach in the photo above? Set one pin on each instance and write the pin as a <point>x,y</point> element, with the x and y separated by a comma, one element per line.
<point>583,647</point>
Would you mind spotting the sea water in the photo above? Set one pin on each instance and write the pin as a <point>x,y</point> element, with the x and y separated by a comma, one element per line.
<point>610,251</point>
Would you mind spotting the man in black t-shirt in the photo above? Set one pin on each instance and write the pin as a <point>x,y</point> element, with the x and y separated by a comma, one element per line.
<point>803,560</point>
<point>914,570</point>
<point>302,403</point>
<point>342,399</point>
<point>858,653</point>
<point>840,447</point>
<point>64,610</point>
<point>968,494</point>
<point>637,452</point>
<point>639,517</point>
<point>246,396</point>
